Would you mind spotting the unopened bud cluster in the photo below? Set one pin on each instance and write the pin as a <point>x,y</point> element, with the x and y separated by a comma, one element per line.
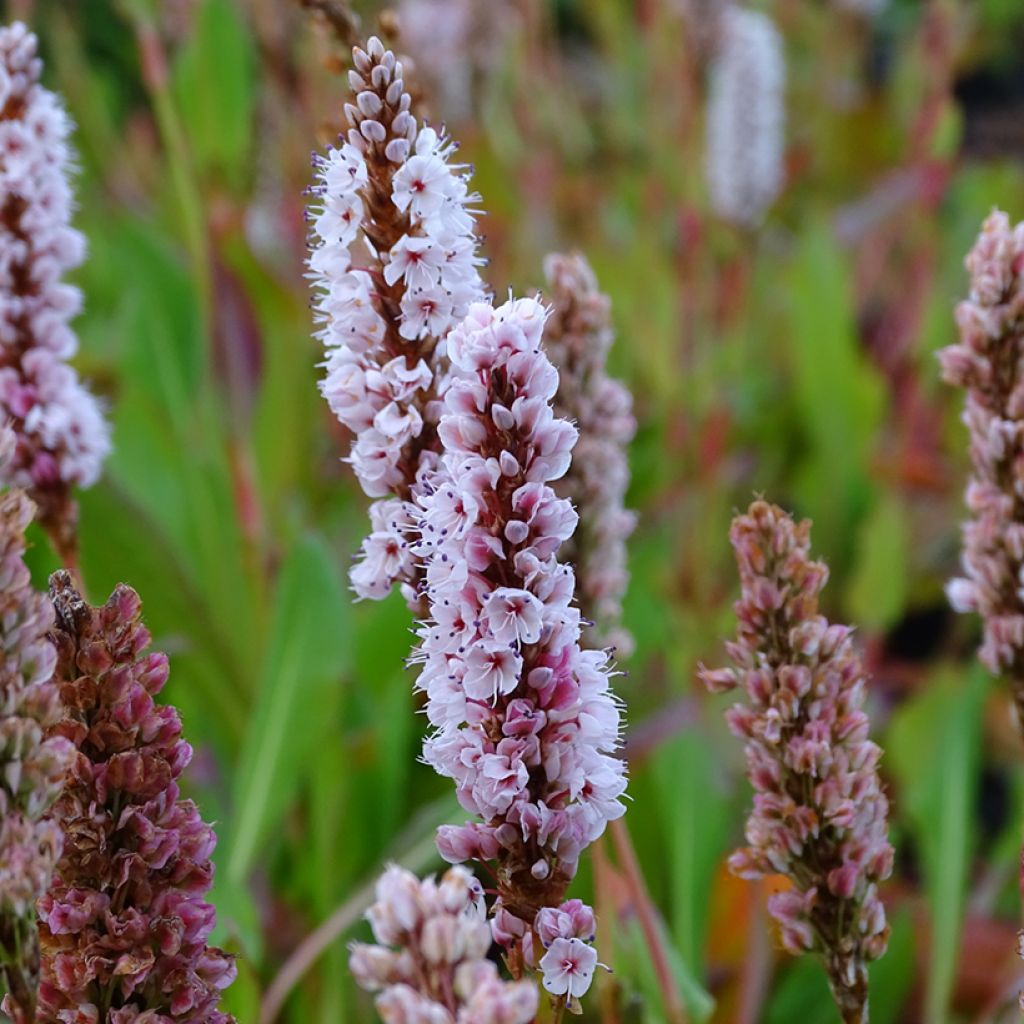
<point>430,965</point>
<point>125,925</point>
<point>987,363</point>
<point>819,815</point>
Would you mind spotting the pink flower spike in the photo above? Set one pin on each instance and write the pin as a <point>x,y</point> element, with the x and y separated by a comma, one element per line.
<point>33,762</point>
<point>430,962</point>
<point>986,363</point>
<point>578,336</point>
<point>62,436</point>
<point>819,814</point>
<point>526,724</point>
<point>394,266</point>
<point>125,923</point>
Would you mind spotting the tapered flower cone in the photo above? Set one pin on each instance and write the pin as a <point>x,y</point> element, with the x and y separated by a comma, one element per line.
<point>987,363</point>
<point>125,926</point>
<point>819,815</point>
<point>577,337</point>
<point>394,265</point>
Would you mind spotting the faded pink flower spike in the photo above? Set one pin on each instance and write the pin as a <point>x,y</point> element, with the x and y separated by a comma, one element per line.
<point>124,927</point>
<point>819,815</point>
<point>395,267</point>
<point>577,337</point>
<point>987,363</point>
<point>62,437</point>
<point>746,116</point>
<point>525,720</point>
<point>32,766</point>
<point>431,963</point>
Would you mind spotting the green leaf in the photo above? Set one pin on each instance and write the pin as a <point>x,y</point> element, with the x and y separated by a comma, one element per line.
<point>214,91</point>
<point>203,681</point>
<point>892,977</point>
<point>696,814</point>
<point>877,593</point>
<point>802,995</point>
<point>632,950</point>
<point>838,394</point>
<point>306,652</point>
<point>933,745</point>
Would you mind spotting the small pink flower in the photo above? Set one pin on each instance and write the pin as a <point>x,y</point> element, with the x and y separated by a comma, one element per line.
<point>513,616</point>
<point>568,967</point>
<point>125,921</point>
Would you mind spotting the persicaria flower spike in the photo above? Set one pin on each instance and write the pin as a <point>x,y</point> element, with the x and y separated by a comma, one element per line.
<point>431,963</point>
<point>395,267</point>
<point>987,363</point>
<point>32,764</point>
<point>62,437</point>
<point>525,720</point>
<point>819,815</point>
<point>124,927</point>
<point>746,117</point>
<point>577,337</point>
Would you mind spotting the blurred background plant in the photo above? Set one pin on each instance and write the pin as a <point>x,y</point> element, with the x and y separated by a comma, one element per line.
<point>794,358</point>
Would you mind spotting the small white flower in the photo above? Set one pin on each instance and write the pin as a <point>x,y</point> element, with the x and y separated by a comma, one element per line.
<point>568,967</point>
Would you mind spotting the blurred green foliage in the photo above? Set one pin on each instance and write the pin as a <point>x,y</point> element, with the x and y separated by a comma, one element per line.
<point>795,362</point>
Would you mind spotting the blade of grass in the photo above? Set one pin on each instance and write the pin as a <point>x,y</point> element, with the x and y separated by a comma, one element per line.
<point>933,746</point>
<point>418,857</point>
<point>306,653</point>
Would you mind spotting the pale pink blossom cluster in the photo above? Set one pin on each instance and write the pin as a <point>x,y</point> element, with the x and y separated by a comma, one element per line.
<point>395,266</point>
<point>745,117</point>
<point>819,813</point>
<point>988,362</point>
<point>62,435</point>
<point>577,338</point>
<point>525,721</point>
<point>430,965</point>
